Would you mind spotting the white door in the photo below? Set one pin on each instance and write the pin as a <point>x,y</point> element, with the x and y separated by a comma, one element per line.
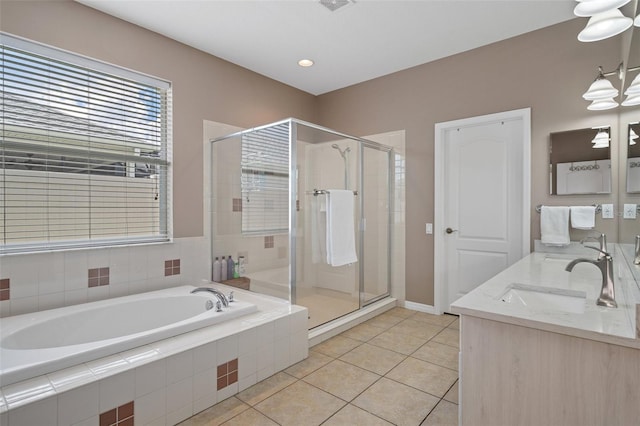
<point>483,220</point>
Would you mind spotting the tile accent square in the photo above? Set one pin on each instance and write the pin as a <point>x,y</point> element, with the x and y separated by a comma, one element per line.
<point>269,242</point>
<point>98,277</point>
<point>120,416</point>
<point>237,204</point>
<point>227,373</point>
<point>171,267</point>
<point>4,289</point>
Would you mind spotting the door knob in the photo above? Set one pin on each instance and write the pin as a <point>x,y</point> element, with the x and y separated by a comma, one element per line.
<point>450,231</point>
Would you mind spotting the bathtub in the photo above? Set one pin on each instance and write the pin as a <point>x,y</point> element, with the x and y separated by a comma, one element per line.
<point>47,341</point>
<point>273,282</point>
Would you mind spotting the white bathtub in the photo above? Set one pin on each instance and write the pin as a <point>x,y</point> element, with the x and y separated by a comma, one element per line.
<point>43,342</point>
<point>273,282</point>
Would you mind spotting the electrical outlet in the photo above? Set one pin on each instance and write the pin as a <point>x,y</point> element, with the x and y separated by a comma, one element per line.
<point>607,211</point>
<point>630,211</point>
<point>429,228</point>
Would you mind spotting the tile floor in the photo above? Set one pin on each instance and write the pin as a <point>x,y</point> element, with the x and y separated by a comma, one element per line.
<point>399,368</point>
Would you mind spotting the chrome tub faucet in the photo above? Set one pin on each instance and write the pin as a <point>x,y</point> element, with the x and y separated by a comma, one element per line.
<point>217,293</point>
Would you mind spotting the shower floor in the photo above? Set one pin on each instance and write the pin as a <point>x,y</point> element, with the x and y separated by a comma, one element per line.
<point>325,305</point>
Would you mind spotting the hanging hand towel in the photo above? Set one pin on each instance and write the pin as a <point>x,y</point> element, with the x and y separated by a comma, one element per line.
<point>341,240</point>
<point>554,225</point>
<point>583,217</point>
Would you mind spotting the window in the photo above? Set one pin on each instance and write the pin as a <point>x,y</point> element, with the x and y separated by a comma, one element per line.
<point>84,151</point>
<point>265,180</point>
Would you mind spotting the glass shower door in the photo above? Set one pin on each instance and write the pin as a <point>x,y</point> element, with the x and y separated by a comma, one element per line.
<point>375,268</point>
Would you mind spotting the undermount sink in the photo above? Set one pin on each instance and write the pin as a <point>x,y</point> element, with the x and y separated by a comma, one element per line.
<point>544,298</point>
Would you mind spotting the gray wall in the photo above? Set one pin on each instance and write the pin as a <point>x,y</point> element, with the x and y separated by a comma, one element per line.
<point>546,70</point>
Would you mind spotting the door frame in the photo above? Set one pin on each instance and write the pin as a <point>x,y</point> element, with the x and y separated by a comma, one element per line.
<point>439,256</point>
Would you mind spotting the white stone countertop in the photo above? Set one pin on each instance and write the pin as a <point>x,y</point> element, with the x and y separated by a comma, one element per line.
<point>609,325</point>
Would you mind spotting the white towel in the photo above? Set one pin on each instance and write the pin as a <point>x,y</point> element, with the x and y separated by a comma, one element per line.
<point>554,225</point>
<point>583,217</point>
<point>341,240</point>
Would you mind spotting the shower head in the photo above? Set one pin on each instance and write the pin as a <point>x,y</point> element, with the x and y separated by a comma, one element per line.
<point>342,152</point>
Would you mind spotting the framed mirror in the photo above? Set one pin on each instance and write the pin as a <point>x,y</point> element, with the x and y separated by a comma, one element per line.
<point>580,161</point>
<point>633,158</point>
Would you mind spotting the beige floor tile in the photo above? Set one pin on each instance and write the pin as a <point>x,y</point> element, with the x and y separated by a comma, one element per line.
<point>351,415</point>
<point>441,320</point>
<point>401,312</point>
<point>264,389</point>
<point>300,404</point>
<point>336,346</point>
<point>341,379</point>
<point>452,394</point>
<point>423,375</point>
<point>363,332</point>
<point>449,337</point>
<point>396,403</point>
<point>385,320</point>
<point>250,417</point>
<point>416,329</point>
<point>438,353</point>
<point>373,358</point>
<point>307,366</point>
<point>218,414</point>
<point>397,342</point>
<point>445,414</point>
<point>455,325</point>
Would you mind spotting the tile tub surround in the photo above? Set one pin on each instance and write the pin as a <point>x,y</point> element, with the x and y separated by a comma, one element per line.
<point>377,373</point>
<point>41,281</point>
<point>170,380</point>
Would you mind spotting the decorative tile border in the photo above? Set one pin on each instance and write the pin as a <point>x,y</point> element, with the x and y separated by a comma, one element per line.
<point>269,242</point>
<point>120,416</point>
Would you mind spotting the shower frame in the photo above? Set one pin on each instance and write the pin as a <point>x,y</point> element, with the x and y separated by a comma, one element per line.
<point>294,196</point>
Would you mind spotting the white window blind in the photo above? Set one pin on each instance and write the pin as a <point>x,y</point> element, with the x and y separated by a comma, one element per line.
<point>84,151</point>
<point>265,180</point>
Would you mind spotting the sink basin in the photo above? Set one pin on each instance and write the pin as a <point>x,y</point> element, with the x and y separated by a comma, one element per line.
<point>544,298</point>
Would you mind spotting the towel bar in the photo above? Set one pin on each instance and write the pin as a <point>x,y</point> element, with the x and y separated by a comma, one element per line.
<point>597,206</point>
<point>316,192</point>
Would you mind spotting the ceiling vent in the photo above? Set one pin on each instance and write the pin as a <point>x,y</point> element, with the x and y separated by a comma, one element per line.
<point>334,5</point>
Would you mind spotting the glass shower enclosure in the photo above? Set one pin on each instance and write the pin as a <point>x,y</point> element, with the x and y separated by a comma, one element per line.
<point>271,188</point>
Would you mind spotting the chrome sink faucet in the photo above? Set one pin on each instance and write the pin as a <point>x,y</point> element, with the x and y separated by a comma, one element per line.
<point>217,293</point>
<point>605,263</point>
<point>602,239</point>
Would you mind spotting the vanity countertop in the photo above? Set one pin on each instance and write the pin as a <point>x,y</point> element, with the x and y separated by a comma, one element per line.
<point>609,325</point>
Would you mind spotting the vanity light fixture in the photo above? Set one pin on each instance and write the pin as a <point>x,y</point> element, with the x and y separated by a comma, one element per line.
<point>632,137</point>
<point>601,140</point>
<point>601,88</point>
<point>305,63</point>
<point>605,20</point>
<point>633,91</point>
<point>586,8</point>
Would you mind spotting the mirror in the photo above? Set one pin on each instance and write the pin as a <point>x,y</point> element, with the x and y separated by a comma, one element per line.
<point>633,158</point>
<point>580,161</point>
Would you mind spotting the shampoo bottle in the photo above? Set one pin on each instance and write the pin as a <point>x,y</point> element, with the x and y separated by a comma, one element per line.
<point>230,267</point>
<point>223,269</point>
<point>216,271</point>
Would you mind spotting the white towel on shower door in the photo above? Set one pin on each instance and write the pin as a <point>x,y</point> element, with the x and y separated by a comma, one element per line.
<point>341,240</point>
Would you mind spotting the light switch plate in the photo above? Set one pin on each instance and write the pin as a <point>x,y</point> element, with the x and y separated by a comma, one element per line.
<point>630,211</point>
<point>429,228</point>
<point>607,211</point>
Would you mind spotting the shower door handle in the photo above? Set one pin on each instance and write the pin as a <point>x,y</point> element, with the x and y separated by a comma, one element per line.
<point>450,231</point>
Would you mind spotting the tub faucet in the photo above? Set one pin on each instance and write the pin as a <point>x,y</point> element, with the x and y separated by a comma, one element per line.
<point>217,293</point>
<point>605,263</point>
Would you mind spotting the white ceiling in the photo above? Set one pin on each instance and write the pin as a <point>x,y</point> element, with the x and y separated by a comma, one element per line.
<point>359,42</point>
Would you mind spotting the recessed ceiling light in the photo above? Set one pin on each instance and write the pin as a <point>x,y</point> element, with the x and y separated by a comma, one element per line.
<point>305,62</point>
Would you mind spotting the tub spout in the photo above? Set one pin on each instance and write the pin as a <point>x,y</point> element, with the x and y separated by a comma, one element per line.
<point>605,264</point>
<point>217,293</point>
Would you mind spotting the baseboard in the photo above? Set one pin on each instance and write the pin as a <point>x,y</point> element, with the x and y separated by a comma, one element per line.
<point>420,307</point>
